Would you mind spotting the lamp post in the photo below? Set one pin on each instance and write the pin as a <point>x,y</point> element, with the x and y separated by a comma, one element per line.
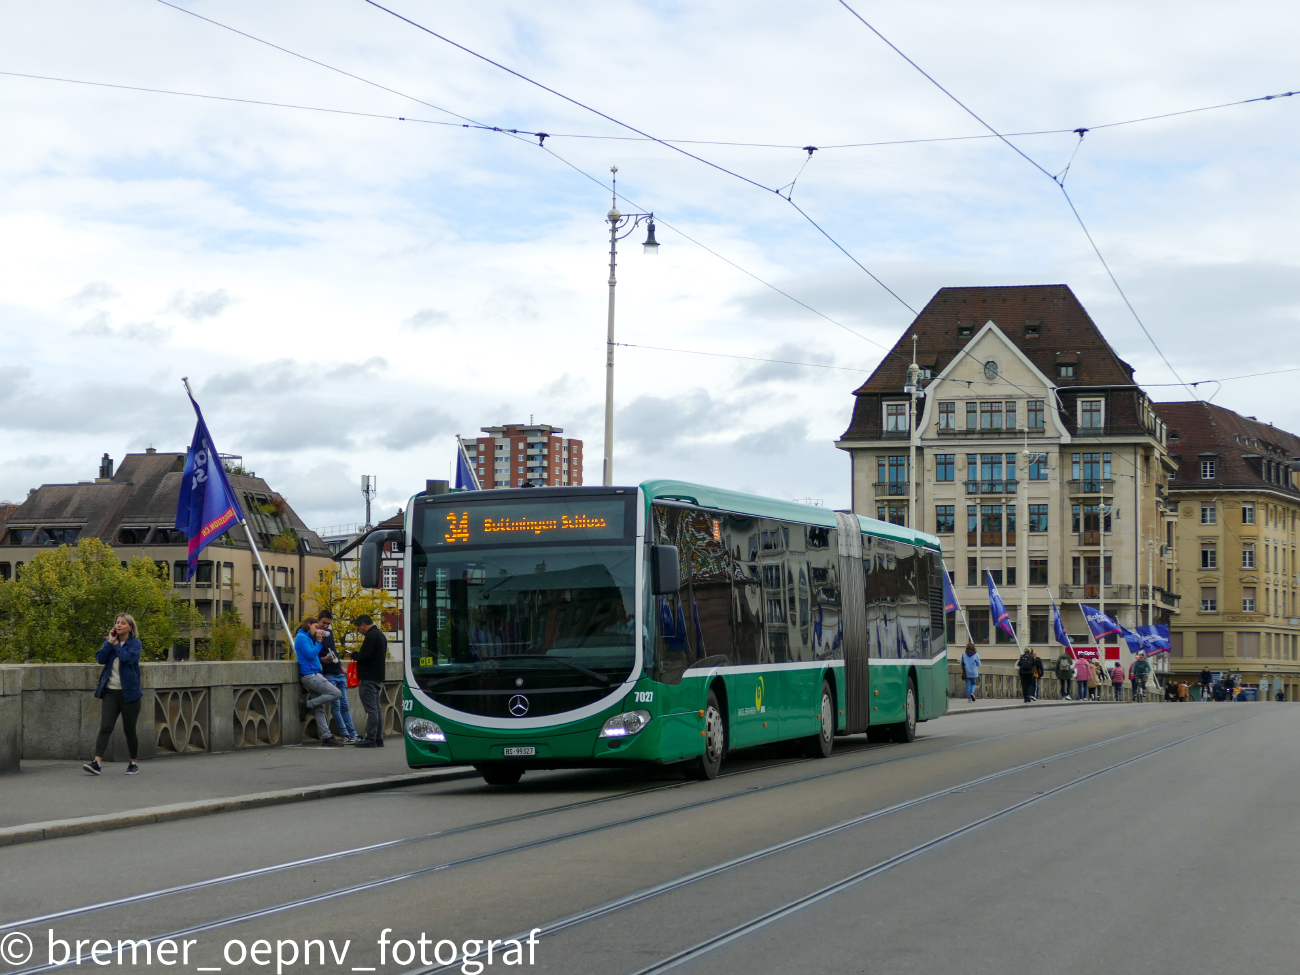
<point>910,388</point>
<point>620,226</point>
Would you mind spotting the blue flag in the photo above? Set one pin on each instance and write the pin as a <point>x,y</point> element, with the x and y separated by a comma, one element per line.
<point>206,508</point>
<point>950,604</point>
<point>1001,618</point>
<point>466,479</point>
<point>1149,639</point>
<point>1099,624</point>
<point>1058,629</point>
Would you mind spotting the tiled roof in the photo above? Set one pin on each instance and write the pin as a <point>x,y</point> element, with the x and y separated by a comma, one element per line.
<point>1241,444</point>
<point>1065,334</point>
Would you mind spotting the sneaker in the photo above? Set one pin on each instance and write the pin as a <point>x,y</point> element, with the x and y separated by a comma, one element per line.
<point>133,768</point>
<point>331,742</point>
<point>1034,698</point>
<point>1066,698</point>
<point>351,739</point>
<point>93,767</point>
<point>366,743</point>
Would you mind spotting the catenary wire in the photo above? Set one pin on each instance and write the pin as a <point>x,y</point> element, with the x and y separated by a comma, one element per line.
<point>1059,182</point>
<point>750,358</point>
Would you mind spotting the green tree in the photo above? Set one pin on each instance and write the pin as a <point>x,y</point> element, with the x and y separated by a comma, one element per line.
<point>227,639</point>
<point>341,593</point>
<point>60,608</point>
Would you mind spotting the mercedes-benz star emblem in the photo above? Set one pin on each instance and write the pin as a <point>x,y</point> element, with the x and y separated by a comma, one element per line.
<point>518,705</point>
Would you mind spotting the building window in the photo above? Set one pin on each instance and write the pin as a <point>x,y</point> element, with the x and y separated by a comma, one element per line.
<point>1087,518</point>
<point>1209,514</point>
<point>945,466</point>
<point>1038,467</point>
<point>898,514</point>
<point>972,526</point>
<point>1065,370</point>
<point>945,519</point>
<point>895,417</point>
<point>1010,410</point>
<point>972,575</point>
<point>972,416</point>
<point>1090,414</point>
<point>882,513</point>
<point>978,619</point>
<point>1011,472</point>
<point>1038,517</point>
<point>1034,415</point>
<point>991,473</point>
<point>1248,599</point>
<point>947,416</point>
<point>1209,556</point>
<point>990,524</point>
<point>390,577</point>
<point>1248,514</point>
<point>6,571</point>
<point>1090,468</point>
<point>1038,572</point>
<point>1208,469</point>
<point>898,473</point>
<point>1209,599</point>
<point>1248,555</point>
<point>1038,629</point>
<point>990,416</point>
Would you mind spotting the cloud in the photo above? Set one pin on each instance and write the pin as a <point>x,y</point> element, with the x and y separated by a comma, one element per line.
<point>765,372</point>
<point>371,367</point>
<point>426,319</point>
<point>92,294</point>
<point>656,424</point>
<point>99,325</point>
<point>199,305</point>
<point>416,428</point>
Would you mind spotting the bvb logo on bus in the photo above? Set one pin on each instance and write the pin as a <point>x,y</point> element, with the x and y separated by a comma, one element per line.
<point>758,695</point>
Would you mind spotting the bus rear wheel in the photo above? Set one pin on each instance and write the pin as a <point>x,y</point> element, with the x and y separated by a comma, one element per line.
<point>820,744</point>
<point>499,773</point>
<point>905,730</point>
<point>709,764</point>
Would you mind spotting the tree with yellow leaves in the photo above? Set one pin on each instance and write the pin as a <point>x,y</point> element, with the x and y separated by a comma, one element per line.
<point>342,594</point>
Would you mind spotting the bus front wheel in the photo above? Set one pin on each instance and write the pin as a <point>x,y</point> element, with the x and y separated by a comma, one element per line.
<point>905,730</point>
<point>820,744</point>
<point>709,764</point>
<point>499,773</point>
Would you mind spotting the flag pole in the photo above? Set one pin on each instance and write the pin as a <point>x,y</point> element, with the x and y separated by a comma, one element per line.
<point>252,543</point>
<point>960,609</point>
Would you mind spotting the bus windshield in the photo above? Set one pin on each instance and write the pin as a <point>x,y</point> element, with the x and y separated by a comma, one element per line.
<point>523,597</point>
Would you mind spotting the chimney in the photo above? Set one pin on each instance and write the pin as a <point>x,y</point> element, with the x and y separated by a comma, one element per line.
<point>105,470</point>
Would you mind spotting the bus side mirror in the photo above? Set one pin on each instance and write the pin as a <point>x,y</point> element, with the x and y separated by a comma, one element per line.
<point>372,554</point>
<point>665,571</point>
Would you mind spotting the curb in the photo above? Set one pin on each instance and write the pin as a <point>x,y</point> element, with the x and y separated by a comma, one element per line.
<point>1039,704</point>
<point>54,829</point>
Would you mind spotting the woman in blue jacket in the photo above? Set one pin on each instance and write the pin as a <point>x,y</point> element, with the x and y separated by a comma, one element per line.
<point>119,690</point>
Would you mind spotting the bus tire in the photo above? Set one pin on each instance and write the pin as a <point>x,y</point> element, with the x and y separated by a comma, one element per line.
<point>905,731</point>
<point>709,764</point>
<point>499,773</point>
<point>820,744</point>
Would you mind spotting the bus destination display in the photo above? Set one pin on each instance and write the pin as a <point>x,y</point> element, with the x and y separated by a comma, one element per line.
<point>527,522</point>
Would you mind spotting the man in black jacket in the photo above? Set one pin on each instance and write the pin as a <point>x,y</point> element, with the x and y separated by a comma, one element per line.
<point>370,671</point>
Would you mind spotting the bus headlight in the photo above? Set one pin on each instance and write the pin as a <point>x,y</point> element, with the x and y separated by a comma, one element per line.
<point>422,729</point>
<point>626,724</point>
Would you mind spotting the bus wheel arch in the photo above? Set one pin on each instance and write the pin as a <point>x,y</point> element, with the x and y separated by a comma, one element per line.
<point>714,733</point>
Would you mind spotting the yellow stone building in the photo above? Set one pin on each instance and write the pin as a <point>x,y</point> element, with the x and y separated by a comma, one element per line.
<point>1235,539</point>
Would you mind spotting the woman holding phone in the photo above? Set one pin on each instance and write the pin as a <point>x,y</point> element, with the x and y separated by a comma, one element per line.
<point>119,690</point>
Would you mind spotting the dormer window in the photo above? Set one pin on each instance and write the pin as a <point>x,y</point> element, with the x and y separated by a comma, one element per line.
<point>1209,469</point>
<point>1032,330</point>
<point>1065,370</point>
<point>895,417</point>
<point>963,331</point>
<point>1173,435</point>
<point>1091,414</point>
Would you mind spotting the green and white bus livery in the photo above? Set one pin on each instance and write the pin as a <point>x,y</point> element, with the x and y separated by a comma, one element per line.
<point>660,624</point>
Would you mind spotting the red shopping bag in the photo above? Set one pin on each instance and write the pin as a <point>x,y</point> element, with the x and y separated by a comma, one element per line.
<point>353,679</point>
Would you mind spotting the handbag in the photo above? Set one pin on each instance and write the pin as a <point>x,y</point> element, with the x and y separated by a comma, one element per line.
<point>353,679</point>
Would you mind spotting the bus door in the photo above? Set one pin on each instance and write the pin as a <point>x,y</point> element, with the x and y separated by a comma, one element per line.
<point>857,693</point>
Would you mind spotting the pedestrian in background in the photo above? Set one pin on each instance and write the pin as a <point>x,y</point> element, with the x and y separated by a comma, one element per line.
<point>1065,674</point>
<point>332,670</point>
<point>1094,680</point>
<point>1183,694</point>
<point>1229,685</point>
<point>119,691</point>
<point>1038,670</point>
<point>370,670</point>
<point>318,693</point>
<point>1025,666</point>
<point>1139,672</point>
<point>1205,679</point>
<point>1117,680</point>
<point>970,670</point>
<point>1082,672</point>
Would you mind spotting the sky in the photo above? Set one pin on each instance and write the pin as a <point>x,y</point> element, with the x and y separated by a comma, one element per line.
<point>346,292</point>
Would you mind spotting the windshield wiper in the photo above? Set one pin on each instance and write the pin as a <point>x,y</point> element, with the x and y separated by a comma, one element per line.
<point>541,656</point>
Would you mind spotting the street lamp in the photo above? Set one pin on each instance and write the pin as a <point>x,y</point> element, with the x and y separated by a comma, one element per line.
<point>620,225</point>
<point>911,387</point>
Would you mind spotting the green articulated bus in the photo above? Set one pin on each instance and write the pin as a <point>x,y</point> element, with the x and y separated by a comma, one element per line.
<point>661,624</point>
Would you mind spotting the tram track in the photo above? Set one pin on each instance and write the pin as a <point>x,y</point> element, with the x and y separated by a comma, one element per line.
<point>402,876</point>
<point>630,900</point>
<point>324,858</point>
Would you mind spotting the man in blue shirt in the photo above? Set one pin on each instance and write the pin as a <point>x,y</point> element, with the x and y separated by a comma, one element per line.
<point>332,670</point>
<point>318,692</point>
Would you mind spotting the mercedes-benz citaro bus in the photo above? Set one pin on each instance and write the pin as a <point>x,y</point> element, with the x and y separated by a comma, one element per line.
<point>668,623</point>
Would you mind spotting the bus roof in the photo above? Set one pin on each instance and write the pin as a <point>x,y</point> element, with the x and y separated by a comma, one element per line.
<point>760,507</point>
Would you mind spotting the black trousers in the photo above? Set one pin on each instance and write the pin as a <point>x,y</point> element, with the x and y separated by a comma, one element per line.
<point>111,705</point>
<point>1027,682</point>
<point>369,693</point>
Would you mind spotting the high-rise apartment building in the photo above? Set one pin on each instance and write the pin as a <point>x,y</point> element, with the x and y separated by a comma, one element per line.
<point>522,454</point>
<point>1235,541</point>
<point>1038,460</point>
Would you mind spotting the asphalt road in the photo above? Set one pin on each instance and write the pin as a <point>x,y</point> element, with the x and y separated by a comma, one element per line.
<point>1094,838</point>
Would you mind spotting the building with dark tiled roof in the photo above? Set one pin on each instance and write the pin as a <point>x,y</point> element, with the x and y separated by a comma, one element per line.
<point>134,510</point>
<point>1237,494</point>
<point>1038,459</point>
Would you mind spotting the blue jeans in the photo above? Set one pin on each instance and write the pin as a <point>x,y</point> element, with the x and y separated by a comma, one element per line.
<point>340,711</point>
<point>970,686</point>
<point>1082,690</point>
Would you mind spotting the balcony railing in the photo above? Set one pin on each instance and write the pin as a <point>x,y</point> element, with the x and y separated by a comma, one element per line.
<point>1121,593</point>
<point>1092,486</point>
<point>1008,486</point>
<point>1167,599</point>
<point>890,489</point>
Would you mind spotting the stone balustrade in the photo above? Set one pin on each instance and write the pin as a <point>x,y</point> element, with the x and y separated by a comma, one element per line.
<point>49,711</point>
